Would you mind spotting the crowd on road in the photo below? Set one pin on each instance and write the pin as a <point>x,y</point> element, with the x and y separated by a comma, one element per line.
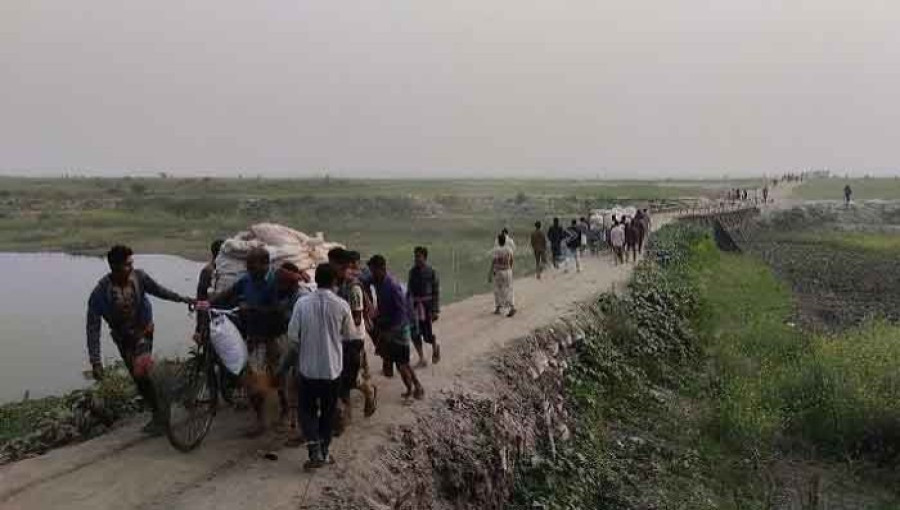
<point>305,342</point>
<point>563,248</point>
<point>306,337</point>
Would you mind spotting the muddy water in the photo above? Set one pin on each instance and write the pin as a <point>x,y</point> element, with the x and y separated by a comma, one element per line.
<point>42,313</point>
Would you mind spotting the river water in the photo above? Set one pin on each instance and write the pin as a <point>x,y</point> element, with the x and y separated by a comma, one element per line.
<point>42,318</point>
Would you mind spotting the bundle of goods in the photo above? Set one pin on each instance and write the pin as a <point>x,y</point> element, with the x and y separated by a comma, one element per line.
<point>283,244</point>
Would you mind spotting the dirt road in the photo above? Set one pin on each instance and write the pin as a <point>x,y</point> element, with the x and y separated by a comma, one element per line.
<point>125,470</point>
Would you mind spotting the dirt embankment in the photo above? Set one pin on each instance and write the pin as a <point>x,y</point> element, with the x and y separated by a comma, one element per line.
<point>463,453</point>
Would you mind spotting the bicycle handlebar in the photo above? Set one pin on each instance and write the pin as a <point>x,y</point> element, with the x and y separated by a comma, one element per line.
<point>230,312</point>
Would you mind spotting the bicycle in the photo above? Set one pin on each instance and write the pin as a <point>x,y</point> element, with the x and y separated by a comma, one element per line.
<point>192,397</point>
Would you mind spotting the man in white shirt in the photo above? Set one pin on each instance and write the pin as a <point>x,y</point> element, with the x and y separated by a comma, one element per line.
<point>319,324</point>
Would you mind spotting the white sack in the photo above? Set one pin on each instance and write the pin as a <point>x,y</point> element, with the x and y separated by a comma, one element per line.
<point>228,343</point>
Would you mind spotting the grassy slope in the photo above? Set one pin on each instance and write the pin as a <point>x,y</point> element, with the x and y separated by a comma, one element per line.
<point>457,220</point>
<point>758,391</point>
<point>863,189</point>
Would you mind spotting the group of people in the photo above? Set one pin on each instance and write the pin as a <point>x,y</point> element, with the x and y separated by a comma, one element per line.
<point>306,339</point>
<point>302,338</point>
<point>627,236</point>
<point>563,248</point>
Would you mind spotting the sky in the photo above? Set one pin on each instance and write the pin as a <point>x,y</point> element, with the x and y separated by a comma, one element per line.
<point>582,88</point>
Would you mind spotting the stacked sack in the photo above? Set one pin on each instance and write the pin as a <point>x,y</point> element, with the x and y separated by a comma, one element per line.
<point>284,244</point>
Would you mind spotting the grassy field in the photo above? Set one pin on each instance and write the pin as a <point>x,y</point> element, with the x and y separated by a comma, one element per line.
<point>457,220</point>
<point>863,189</point>
<point>781,387</point>
<point>872,241</point>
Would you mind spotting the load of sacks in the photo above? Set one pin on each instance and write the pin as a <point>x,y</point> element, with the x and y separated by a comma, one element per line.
<point>284,244</point>
<point>602,218</point>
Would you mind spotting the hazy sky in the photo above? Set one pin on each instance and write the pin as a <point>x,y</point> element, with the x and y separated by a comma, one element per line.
<point>475,87</point>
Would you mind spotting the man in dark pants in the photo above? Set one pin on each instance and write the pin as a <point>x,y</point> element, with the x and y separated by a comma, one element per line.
<point>424,289</point>
<point>120,299</point>
<point>351,291</point>
<point>318,326</point>
<point>392,325</point>
<point>556,235</point>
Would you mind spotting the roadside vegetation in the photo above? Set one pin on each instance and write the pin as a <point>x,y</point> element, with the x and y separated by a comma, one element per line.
<point>32,427</point>
<point>695,389</point>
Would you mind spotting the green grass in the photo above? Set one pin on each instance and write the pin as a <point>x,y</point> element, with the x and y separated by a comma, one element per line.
<point>456,219</point>
<point>872,241</point>
<point>778,386</point>
<point>863,189</point>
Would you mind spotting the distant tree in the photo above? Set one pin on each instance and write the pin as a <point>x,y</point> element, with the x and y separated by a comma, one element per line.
<point>163,175</point>
<point>138,188</point>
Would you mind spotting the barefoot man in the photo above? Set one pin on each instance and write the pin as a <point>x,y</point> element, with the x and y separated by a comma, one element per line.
<point>392,324</point>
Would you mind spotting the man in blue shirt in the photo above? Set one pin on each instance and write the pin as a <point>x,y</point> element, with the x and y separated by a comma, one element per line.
<point>392,325</point>
<point>256,294</point>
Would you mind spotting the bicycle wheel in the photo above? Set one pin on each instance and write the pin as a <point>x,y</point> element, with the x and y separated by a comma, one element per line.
<point>192,402</point>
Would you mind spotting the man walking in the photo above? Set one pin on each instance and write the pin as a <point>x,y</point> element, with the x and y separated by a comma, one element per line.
<point>393,326</point>
<point>318,326</point>
<point>573,245</point>
<point>354,352</point>
<point>617,241</point>
<point>556,235</point>
<point>120,299</point>
<point>584,228</point>
<point>501,275</point>
<point>424,289</point>
<point>632,234</point>
<point>848,193</point>
<point>539,247</point>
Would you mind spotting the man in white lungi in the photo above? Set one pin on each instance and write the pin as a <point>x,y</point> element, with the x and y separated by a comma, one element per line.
<point>501,274</point>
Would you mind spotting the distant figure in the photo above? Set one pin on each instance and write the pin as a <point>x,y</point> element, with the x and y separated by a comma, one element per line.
<point>501,275</point>
<point>556,235</point>
<point>120,299</point>
<point>848,193</point>
<point>584,228</point>
<point>572,247</point>
<point>632,234</point>
<point>765,194</point>
<point>539,247</point>
<point>744,195</point>
<point>617,240</point>
<point>640,224</point>
<point>424,289</point>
